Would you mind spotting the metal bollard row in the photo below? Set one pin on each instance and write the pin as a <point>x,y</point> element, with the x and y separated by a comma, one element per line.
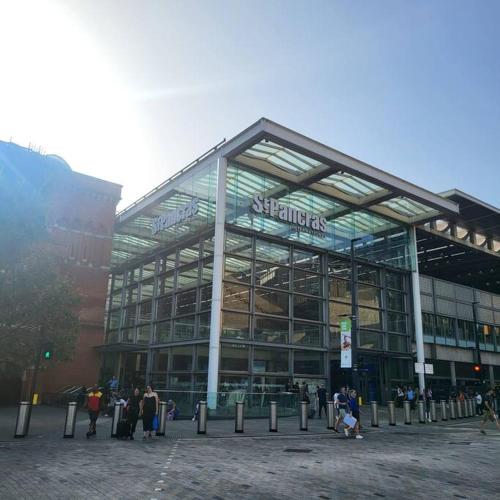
<point>330,417</point>
<point>23,419</point>
<point>453,409</point>
<point>273,416</point>
<point>421,412</point>
<point>239,417</point>
<point>374,409</point>
<point>304,414</point>
<point>444,410</point>
<point>70,420</point>
<point>407,410</point>
<point>202,417</point>
<point>433,411</point>
<point>162,419</point>
<point>391,409</point>
<point>117,416</point>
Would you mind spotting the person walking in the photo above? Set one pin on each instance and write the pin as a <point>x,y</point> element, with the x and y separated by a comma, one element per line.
<point>479,403</point>
<point>134,408</point>
<point>410,396</point>
<point>489,412</point>
<point>400,395</point>
<point>354,412</point>
<point>428,399</point>
<point>149,409</point>
<point>342,404</point>
<point>93,404</point>
<point>321,394</point>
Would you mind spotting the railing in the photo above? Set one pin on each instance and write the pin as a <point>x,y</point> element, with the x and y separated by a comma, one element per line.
<point>256,404</point>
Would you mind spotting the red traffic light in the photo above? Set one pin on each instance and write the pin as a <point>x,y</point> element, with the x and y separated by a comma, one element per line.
<point>477,368</point>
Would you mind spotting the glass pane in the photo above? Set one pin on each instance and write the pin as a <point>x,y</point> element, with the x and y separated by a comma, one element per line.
<point>465,330</point>
<point>368,295</point>
<point>272,275</point>
<point>307,308</point>
<point>394,280</point>
<point>164,307</point>
<point>114,319</point>
<point>370,318</point>
<point>202,357</point>
<point>270,302</point>
<point>200,383</point>
<point>269,384</point>
<point>398,343</point>
<point>270,360</point>
<point>133,276</point>
<point>206,298</point>
<point>187,276</point>
<point>238,244</point>
<point>180,382</point>
<point>338,268</point>
<point>128,335</point>
<point>367,274</point>
<point>145,311</point>
<point>308,362</point>
<point>129,318</point>
<point>338,311</point>
<point>238,269</point>
<point>131,295</point>
<point>162,332</point>
<point>166,263</point>
<point>236,297</point>
<point>235,325</point>
<point>147,288</point>
<point>148,270</point>
<point>445,330</point>
<point>428,327</point>
<point>234,358</point>
<point>395,300</point>
<point>165,283</point>
<point>340,289</point>
<point>307,334</point>
<point>182,358</point>
<point>231,383</point>
<point>305,282</point>
<point>190,254</point>
<point>271,330</point>
<point>185,302</point>
<point>143,333</point>
<point>207,271</point>
<point>307,260</point>
<point>396,322</point>
<point>184,328</point>
<point>371,340</point>
<point>272,252</point>
<point>204,326</point>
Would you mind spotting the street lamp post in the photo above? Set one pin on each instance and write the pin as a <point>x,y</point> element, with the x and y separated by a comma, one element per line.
<point>354,319</point>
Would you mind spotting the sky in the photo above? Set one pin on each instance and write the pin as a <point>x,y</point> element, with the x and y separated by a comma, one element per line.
<point>133,91</point>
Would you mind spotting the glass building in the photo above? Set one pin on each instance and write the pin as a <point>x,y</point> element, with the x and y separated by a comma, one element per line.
<point>234,274</point>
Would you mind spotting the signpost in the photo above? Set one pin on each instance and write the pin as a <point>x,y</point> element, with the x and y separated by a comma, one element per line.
<point>345,343</point>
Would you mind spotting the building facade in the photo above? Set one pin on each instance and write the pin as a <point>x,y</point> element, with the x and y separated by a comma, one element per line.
<point>235,274</point>
<point>80,215</point>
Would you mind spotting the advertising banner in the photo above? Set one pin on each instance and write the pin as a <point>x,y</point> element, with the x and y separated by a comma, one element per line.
<point>345,343</point>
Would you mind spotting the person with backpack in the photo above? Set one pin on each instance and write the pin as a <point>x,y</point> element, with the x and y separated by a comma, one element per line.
<point>489,411</point>
<point>354,412</point>
<point>93,403</point>
<point>342,403</point>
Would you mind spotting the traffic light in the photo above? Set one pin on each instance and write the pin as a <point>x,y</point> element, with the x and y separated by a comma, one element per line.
<point>47,352</point>
<point>477,368</point>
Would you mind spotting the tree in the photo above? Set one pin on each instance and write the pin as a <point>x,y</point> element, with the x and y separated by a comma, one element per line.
<point>37,303</point>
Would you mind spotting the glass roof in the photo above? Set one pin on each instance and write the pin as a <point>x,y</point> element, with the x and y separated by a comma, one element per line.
<point>406,207</point>
<point>352,185</point>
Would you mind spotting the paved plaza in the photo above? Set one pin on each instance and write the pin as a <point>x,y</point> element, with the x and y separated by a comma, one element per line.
<point>441,460</point>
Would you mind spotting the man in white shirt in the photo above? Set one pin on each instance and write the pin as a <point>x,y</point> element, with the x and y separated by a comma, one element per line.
<point>479,404</point>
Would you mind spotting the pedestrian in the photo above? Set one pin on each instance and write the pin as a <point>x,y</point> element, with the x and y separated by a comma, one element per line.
<point>343,407</point>
<point>354,412</point>
<point>400,395</point>
<point>93,404</point>
<point>428,399</point>
<point>489,411</point>
<point>479,403</point>
<point>113,384</point>
<point>134,408</point>
<point>410,396</point>
<point>321,394</point>
<point>149,409</point>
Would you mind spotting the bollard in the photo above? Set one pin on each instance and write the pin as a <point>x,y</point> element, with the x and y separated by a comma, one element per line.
<point>472,409</point>
<point>330,415</point>
<point>239,417</point>
<point>117,416</point>
<point>453,409</point>
<point>433,411</point>
<point>421,412</point>
<point>374,408</point>
<point>460,413</point>
<point>391,408</point>
<point>202,417</point>
<point>273,416</point>
<point>407,410</point>
<point>304,410</point>
<point>444,412</point>
<point>70,422</point>
<point>162,419</point>
<point>23,419</point>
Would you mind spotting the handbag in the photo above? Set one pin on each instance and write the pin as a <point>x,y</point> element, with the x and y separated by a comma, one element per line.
<point>155,423</point>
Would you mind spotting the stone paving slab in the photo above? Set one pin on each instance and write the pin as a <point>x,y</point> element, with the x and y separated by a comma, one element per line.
<point>446,460</point>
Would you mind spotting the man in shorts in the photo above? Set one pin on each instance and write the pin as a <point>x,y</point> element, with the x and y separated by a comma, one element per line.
<point>489,412</point>
<point>94,400</point>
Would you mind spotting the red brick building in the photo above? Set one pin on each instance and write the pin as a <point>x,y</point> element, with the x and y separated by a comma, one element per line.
<point>80,218</point>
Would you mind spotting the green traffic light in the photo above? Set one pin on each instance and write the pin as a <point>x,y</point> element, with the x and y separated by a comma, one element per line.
<point>47,354</point>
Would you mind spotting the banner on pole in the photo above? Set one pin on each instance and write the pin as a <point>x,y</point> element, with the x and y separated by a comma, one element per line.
<point>345,343</point>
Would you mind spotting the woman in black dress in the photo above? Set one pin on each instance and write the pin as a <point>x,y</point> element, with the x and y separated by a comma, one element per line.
<point>133,410</point>
<point>149,408</point>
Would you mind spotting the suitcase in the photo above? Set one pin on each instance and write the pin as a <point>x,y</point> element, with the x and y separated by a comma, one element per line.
<point>123,430</point>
